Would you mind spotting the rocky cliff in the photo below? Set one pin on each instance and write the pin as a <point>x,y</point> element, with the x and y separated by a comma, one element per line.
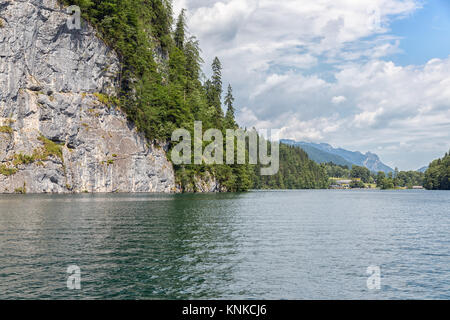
<point>59,132</point>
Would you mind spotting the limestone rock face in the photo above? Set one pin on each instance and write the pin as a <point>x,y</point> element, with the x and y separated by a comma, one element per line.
<point>205,184</point>
<point>59,132</point>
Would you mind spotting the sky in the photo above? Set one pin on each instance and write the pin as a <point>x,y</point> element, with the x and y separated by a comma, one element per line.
<point>364,75</point>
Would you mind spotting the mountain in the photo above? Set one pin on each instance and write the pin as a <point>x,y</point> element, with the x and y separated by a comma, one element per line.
<point>57,132</point>
<point>319,155</point>
<point>423,169</point>
<point>323,152</point>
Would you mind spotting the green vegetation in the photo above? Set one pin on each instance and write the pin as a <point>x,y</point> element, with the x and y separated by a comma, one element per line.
<point>6,129</point>
<point>296,172</point>
<point>337,171</point>
<point>4,170</point>
<point>23,159</point>
<point>383,182</point>
<point>357,184</point>
<point>21,190</point>
<point>50,149</point>
<point>343,171</point>
<point>106,100</point>
<point>398,179</point>
<point>362,173</point>
<point>437,177</point>
<point>402,179</point>
<point>361,176</point>
<point>162,89</point>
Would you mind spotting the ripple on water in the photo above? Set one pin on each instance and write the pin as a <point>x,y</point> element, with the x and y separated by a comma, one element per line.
<point>258,245</point>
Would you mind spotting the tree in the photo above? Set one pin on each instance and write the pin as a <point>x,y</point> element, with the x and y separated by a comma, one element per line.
<point>380,177</point>
<point>437,177</point>
<point>230,117</point>
<point>179,35</point>
<point>216,90</point>
<point>193,60</point>
<point>217,76</point>
<point>361,173</point>
<point>386,184</point>
<point>355,184</point>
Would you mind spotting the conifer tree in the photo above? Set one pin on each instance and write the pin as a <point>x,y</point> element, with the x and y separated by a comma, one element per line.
<point>179,36</point>
<point>230,116</point>
<point>216,82</point>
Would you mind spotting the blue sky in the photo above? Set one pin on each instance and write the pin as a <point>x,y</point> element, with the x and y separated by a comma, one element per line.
<point>366,75</point>
<point>425,34</point>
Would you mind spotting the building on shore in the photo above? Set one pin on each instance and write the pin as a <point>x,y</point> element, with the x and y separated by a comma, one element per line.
<point>341,184</point>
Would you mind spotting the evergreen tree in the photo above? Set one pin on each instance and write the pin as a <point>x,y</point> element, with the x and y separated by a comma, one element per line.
<point>179,35</point>
<point>437,176</point>
<point>194,61</point>
<point>230,117</point>
<point>216,82</point>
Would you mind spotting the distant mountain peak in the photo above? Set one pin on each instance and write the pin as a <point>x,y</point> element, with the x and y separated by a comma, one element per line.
<point>423,169</point>
<point>324,152</point>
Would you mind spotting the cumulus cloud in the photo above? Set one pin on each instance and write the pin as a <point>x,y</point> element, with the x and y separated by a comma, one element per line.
<point>319,70</point>
<point>338,99</point>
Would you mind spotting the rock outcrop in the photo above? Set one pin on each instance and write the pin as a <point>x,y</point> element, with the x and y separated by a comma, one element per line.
<point>207,183</point>
<point>59,131</point>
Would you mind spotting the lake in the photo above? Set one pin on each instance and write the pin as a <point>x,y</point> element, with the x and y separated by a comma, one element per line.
<point>256,245</point>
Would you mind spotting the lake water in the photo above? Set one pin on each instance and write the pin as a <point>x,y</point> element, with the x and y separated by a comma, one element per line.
<point>256,245</point>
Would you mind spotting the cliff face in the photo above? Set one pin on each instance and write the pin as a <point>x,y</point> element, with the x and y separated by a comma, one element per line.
<point>206,183</point>
<point>57,132</point>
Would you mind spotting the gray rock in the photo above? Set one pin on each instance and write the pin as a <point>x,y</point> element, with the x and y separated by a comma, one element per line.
<point>50,78</point>
<point>207,183</point>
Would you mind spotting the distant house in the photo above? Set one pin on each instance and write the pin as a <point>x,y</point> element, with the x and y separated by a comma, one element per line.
<point>341,184</point>
<point>344,182</point>
<point>347,183</point>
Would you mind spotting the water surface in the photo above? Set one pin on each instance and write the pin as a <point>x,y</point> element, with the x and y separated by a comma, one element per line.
<point>257,245</point>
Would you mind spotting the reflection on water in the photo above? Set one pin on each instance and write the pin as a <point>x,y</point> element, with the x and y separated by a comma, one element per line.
<point>268,245</point>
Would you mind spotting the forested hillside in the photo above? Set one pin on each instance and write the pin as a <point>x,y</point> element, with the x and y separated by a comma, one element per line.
<point>437,176</point>
<point>162,88</point>
<point>297,171</point>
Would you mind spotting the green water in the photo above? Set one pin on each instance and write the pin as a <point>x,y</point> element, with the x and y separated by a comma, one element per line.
<point>257,245</point>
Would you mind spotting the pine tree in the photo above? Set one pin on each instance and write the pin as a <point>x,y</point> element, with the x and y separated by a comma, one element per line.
<point>216,82</point>
<point>230,116</point>
<point>193,60</point>
<point>217,75</point>
<point>179,36</point>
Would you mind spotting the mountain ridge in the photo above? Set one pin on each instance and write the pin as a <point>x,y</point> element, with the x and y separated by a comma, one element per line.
<point>324,152</point>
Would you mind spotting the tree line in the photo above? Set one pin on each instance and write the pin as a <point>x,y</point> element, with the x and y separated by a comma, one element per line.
<point>392,180</point>
<point>437,176</point>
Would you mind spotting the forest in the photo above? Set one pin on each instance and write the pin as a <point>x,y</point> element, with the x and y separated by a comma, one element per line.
<point>437,177</point>
<point>397,179</point>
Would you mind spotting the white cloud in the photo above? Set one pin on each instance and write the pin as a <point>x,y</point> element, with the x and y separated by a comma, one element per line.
<point>338,99</point>
<point>367,118</point>
<point>319,70</point>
